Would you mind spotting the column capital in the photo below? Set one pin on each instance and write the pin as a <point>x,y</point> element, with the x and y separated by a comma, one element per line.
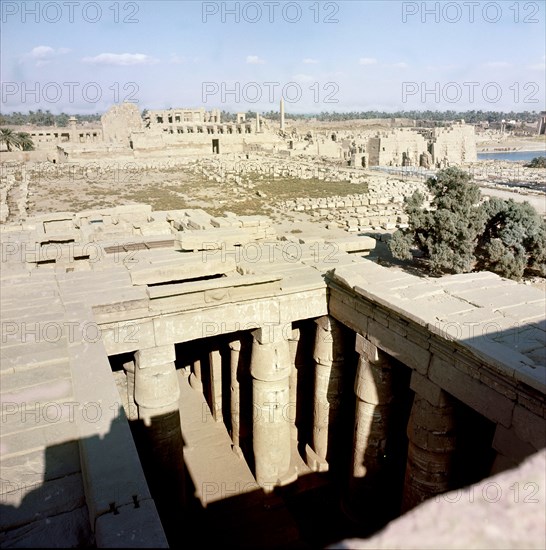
<point>153,357</point>
<point>235,345</point>
<point>269,334</point>
<point>364,347</point>
<point>326,322</point>
<point>294,336</point>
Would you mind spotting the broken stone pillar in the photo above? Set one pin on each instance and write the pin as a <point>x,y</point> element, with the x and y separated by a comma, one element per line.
<point>216,384</point>
<point>270,371</point>
<point>329,359</point>
<point>373,389</point>
<point>235,402</point>
<point>131,409</point>
<point>157,393</point>
<point>431,433</point>
<point>292,408</point>
<point>282,114</point>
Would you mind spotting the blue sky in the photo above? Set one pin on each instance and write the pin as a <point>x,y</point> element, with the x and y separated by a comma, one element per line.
<point>82,57</point>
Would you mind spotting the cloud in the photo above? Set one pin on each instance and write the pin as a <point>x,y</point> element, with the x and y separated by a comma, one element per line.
<point>498,65</point>
<point>310,61</point>
<point>537,67</point>
<point>43,55</point>
<point>254,60</point>
<point>400,65</point>
<point>367,61</point>
<point>120,59</point>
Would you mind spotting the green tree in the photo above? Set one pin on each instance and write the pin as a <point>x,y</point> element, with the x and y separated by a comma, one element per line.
<point>537,162</point>
<point>514,239</point>
<point>446,233</point>
<point>459,234</point>
<point>19,140</point>
<point>9,137</point>
<point>61,120</point>
<point>25,141</point>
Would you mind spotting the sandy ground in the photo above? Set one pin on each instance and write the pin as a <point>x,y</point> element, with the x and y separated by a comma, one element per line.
<point>535,143</point>
<point>537,201</point>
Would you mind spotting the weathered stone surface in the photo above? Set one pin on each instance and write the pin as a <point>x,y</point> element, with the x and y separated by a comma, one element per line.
<point>472,392</point>
<point>457,519</point>
<point>134,525</point>
<point>66,530</point>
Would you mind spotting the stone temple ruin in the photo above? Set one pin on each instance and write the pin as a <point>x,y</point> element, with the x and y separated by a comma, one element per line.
<point>186,132</point>
<point>171,376</point>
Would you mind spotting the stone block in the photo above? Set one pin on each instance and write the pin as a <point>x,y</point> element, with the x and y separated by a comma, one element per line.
<point>508,444</point>
<point>486,401</point>
<point>529,427</point>
<point>428,390</point>
<point>66,530</point>
<point>136,525</point>
<point>399,347</point>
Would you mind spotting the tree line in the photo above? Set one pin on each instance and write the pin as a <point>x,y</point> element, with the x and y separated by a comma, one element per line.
<point>46,118</point>
<point>43,118</point>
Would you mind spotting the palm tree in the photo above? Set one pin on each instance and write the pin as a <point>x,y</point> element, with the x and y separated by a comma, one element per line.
<point>20,140</point>
<point>25,141</point>
<point>8,137</point>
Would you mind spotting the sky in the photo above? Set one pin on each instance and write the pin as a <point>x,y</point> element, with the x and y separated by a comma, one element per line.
<point>83,57</point>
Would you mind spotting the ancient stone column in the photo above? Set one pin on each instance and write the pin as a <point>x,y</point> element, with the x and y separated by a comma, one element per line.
<point>329,359</point>
<point>216,384</point>
<point>293,383</point>
<point>431,433</point>
<point>157,393</point>
<point>131,409</point>
<point>195,377</point>
<point>373,397</point>
<point>235,402</point>
<point>270,371</point>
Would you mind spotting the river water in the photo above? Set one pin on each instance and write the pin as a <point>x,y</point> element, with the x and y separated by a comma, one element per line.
<point>512,155</point>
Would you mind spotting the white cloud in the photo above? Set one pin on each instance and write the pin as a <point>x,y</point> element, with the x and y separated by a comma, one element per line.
<point>41,52</point>
<point>43,55</point>
<point>254,60</point>
<point>400,65</point>
<point>310,61</point>
<point>367,61</point>
<point>537,67</point>
<point>120,59</point>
